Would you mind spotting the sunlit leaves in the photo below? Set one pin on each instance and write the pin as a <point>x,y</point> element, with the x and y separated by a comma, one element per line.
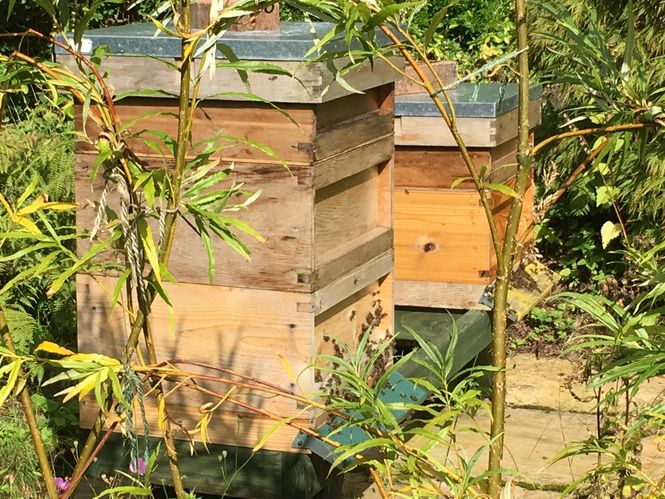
<point>21,214</point>
<point>206,202</point>
<point>9,373</point>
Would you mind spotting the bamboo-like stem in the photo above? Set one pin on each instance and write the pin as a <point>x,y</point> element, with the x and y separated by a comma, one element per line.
<point>30,418</point>
<point>505,259</point>
<point>185,115</point>
<point>377,481</point>
<point>139,323</point>
<point>165,423</point>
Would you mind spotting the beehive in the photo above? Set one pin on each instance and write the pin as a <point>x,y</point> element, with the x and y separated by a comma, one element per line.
<point>443,250</point>
<point>325,270</point>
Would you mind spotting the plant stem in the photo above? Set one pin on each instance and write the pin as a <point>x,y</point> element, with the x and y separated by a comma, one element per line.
<point>552,199</point>
<point>145,301</point>
<point>31,418</point>
<point>185,120</point>
<point>505,259</point>
<point>589,131</point>
<point>76,478</point>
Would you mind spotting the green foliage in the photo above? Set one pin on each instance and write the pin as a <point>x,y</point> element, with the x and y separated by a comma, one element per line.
<point>551,326</point>
<point>624,348</point>
<point>26,14</point>
<point>607,67</point>
<point>19,473</point>
<point>576,250</point>
<point>405,452</point>
<point>472,32</point>
<point>36,151</point>
<point>116,12</point>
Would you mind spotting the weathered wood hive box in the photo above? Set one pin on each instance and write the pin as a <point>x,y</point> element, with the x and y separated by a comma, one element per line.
<point>324,273</point>
<point>443,250</point>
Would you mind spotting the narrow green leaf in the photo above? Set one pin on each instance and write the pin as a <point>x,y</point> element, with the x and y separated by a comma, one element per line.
<point>207,244</point>
<point>435,23</point>
<point>89,255</point>
<point>458,181</point>
<point>502,188</point>
<point>149,247</point>
<point>119,285</point>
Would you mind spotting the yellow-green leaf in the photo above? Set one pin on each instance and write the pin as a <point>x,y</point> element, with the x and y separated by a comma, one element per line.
<point>279,424</point>
<point>97,358</point>
<point>287,368</point>
<point>84,387</point>
<point>149,247</point>
<point>11,380</point>
<point>609,232</point>
<point>50,347</point>
<point>33,207</point>
<point>28,224</point>
<point>6,205</point>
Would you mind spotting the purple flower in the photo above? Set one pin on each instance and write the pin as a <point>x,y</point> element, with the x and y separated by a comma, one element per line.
<point>139,466</point>
<point>62,484</point>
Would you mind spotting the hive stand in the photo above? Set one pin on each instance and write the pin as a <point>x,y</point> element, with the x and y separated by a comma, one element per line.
<point>323,276</point>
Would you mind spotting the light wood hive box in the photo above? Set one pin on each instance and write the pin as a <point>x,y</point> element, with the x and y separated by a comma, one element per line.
<point>324,274</point>
<point>444,256</point>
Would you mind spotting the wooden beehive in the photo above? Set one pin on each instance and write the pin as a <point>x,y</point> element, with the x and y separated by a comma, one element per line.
<point>443,250</point>
<point>324,274</point>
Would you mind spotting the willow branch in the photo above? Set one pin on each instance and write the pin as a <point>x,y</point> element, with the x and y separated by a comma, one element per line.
<point>552,199</point>
<point>505,259</point>
<point>371,430</point>
<point>603,130</point>
<point>377,481</point>
<point>31,418</point>
<point>81,471</point>
<point>107,94</point>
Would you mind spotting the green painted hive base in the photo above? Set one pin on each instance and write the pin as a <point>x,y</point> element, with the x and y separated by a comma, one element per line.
<point>230,471</point>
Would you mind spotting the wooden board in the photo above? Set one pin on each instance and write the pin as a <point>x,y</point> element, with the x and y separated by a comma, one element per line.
<point>254,332</point>
<point>476,132</point>
<point>441,236</point>
<point>445,70</point>
<point>345,323</point>
<point>430,294</point>
<point>351,133</point>
<point>261,123</point>
<point>333,112</point>
<point>345,210</point>
<point>310,83</point>
<point>337,189</point>
<point>228,428</point>
<point>282,214</point>
<point>352,161</point>
<point>250,331</point>
<point>435,167</point>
